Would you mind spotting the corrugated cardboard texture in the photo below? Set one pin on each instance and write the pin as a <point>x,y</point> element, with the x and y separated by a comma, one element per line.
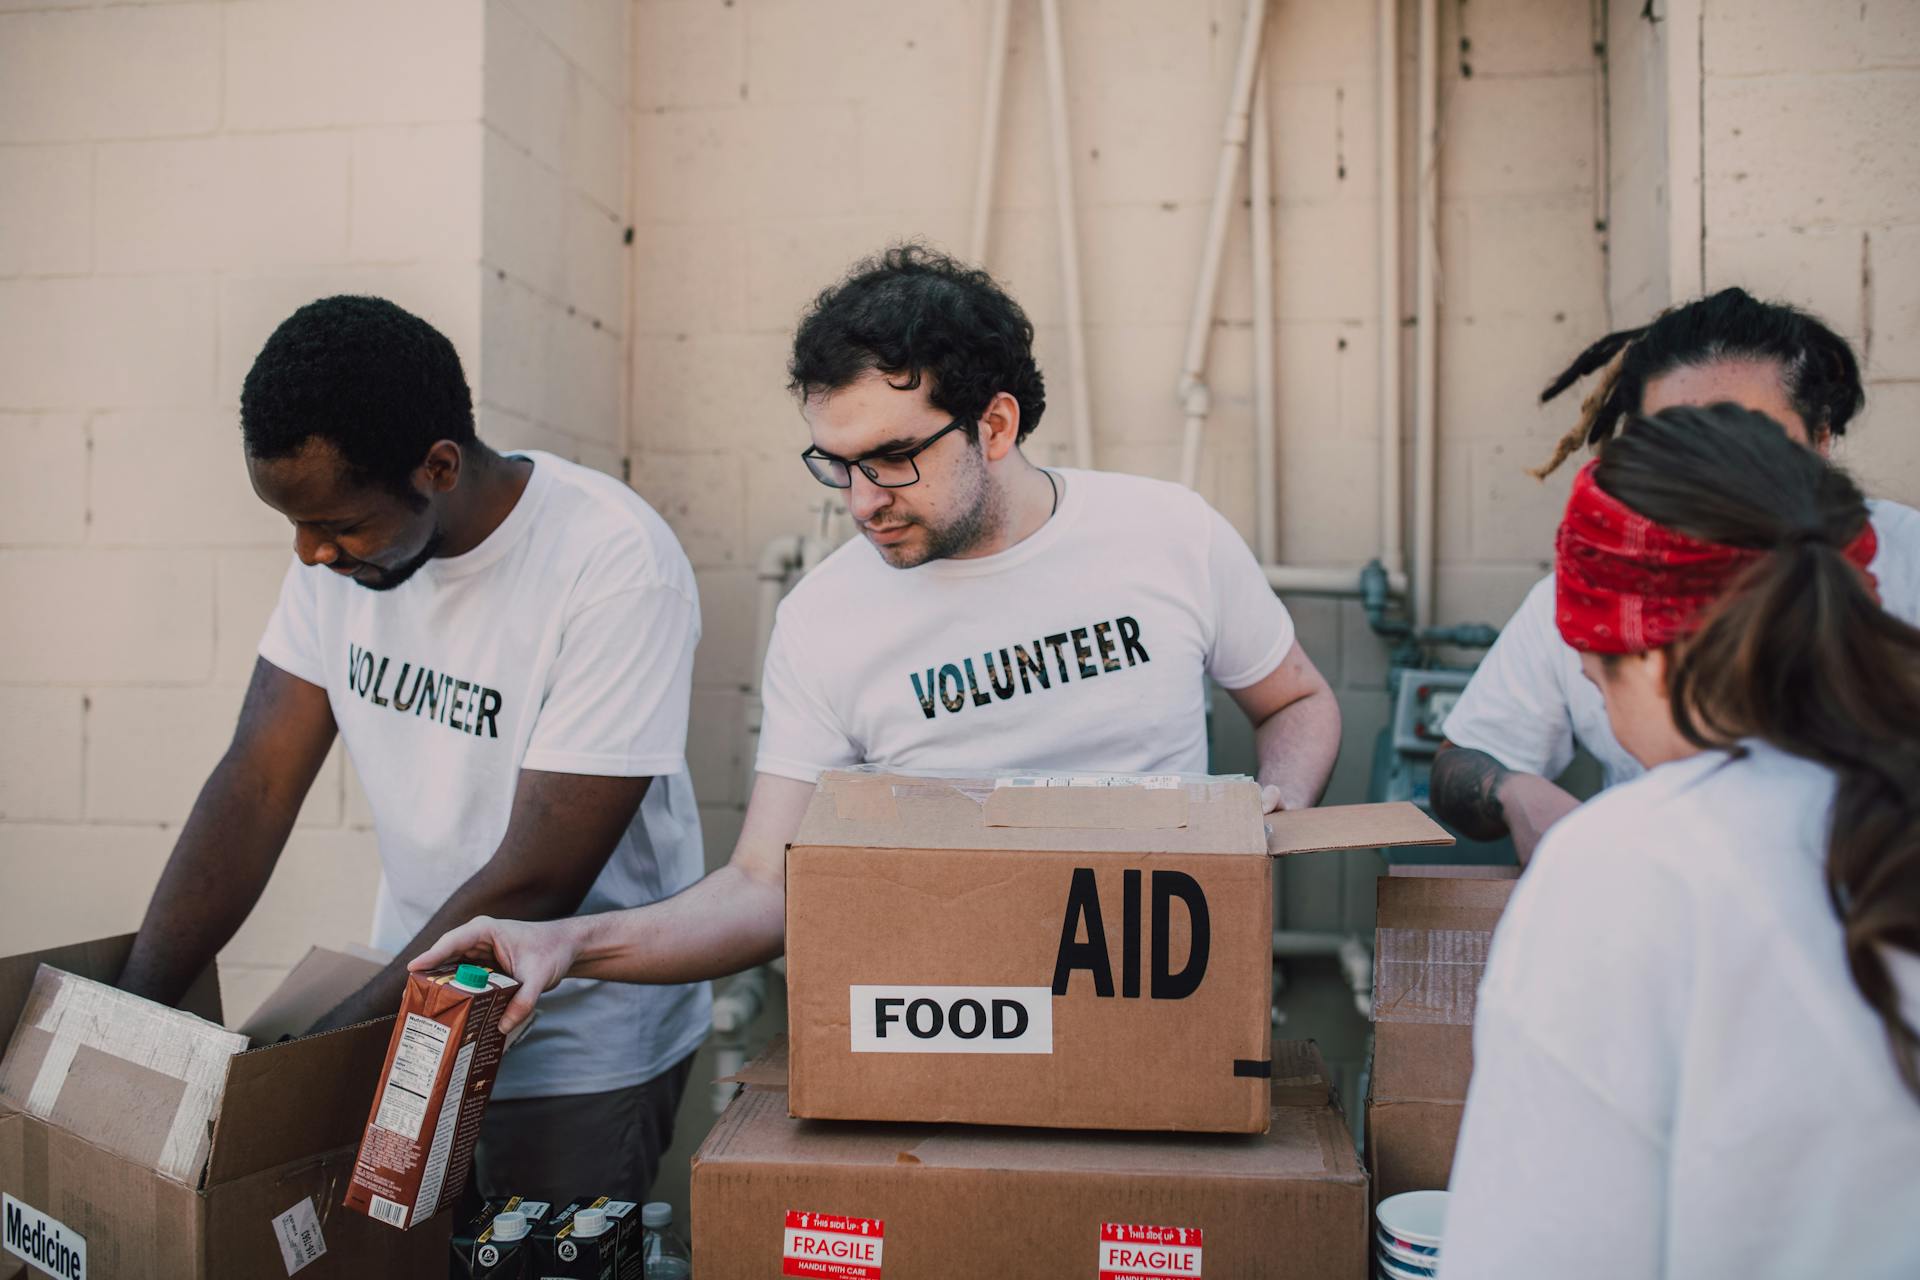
<point>892,811</point>
<point>1435,926</point>
<point>1430,951</point>
<point>100,960</point>
<point>309,993</point>
<point>327,1077</point>
<point>1352,826</point>
<point>124,1073</point>
<point>1026,1205</point>
<point>994,918</point>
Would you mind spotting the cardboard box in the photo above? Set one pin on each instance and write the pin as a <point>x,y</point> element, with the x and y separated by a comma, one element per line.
<point>775,1196</point>
<point>81,1146</point>
<point>1430,948</point>
<point>1063,956</point>
<point>442,1057</point>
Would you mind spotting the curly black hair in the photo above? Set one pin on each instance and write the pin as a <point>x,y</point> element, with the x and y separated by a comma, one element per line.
<point>378,382</point>
<point>914,313</point>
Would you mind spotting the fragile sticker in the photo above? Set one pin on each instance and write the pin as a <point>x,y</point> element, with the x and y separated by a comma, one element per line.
<point>832,1245</point>
<point>298,1231</point>
<point>1131,1251</point>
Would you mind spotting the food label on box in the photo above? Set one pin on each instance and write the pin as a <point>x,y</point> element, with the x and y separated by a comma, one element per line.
<point>894,1019</point>
<point>298,1231</point>
<point>832,1245</point>
<point>59,1250</point>
<point>1130,1251</point>
<point>403,1104</point>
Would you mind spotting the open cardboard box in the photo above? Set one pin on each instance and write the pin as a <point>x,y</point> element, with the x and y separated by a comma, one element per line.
<point>258,1190</point>
<point>777,1196</point>
<point>1430,949</point>
<point>1045,952</point>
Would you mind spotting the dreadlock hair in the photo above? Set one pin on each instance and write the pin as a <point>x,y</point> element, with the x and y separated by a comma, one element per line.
<point>1799,654</point>
<point>1817,367</point>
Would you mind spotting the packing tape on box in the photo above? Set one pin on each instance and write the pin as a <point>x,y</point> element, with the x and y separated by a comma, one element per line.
<point>90,1014</point>
<point>1428,975</point>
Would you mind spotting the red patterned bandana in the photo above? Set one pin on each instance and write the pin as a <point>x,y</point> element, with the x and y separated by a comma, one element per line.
<point>1623,584</point>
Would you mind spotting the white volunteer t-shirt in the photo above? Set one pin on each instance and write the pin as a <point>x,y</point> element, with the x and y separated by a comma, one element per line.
<point>1673,1072</point>
<point>1083,647</point>
<point>563,643</point>
<point>1529,703</point>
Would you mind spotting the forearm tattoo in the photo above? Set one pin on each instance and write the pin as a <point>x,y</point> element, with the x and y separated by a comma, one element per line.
<point>1465,791</point>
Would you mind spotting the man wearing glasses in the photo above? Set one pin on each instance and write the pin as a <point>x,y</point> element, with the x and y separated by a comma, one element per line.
<point>994,616</point>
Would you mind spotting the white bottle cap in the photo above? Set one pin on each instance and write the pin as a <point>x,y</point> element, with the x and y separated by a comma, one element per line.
<point>511,1225</point>
<point>656,1215</point>
<point>590,1222</point>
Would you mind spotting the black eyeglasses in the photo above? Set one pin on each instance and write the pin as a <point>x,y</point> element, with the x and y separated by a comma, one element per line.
<point>890,469</point>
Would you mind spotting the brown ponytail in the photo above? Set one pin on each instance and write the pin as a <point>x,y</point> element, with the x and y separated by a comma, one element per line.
<point>1798,654</point>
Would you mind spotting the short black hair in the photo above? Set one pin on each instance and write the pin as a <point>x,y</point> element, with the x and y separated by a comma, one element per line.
<point>376,381</point>
<point>913,313</point>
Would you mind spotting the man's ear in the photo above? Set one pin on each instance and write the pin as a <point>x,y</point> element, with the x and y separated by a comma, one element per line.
<point>1000,426</point>
<point>439,471</point>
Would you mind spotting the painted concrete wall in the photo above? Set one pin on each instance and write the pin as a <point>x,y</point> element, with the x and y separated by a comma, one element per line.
<point>174,180</point>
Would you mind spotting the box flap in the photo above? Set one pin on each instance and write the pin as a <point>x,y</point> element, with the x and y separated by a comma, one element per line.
<point>101,960</point>
<point>321,980</point>
<point>136,1079</point>
<point>287,1101</point>
<point>1352,826</point>
<point>1158,814</point>
<point>1300,1075</point>
<point>768,1070</point>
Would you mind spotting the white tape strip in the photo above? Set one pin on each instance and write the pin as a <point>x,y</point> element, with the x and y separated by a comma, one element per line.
<point>80,1012</point>
<point>1429,975</point>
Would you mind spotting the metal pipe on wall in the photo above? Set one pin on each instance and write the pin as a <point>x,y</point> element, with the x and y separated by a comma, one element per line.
<point>1265,422</point>
<point>1392,448</point>
<point>1069,235</point>
<point>1194,396</point>
<point>1426,339</point>
<point>989,158</point>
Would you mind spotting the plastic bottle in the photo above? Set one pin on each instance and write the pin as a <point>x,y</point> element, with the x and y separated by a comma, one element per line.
<point>668,1257</point>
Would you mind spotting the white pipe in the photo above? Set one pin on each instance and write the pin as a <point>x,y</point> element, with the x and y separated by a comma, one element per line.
<point>1069,235</point>
<point>1355,957</point>
<point>1392,449</point>
<point>778,559</point>
<point>735,1008</point>
<point>1194,397</point>
<point>1426,340</point>
<point>989,134</point>
<point>1325,581</point>
<point>1265,424</point>
<point>727,1061</point>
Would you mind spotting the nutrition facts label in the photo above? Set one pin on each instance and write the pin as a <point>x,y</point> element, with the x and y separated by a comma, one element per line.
<point>416,1063</point>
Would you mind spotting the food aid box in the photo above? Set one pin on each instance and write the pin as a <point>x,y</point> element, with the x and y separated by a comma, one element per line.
<point>776,1196</point>
<point>137,1141</point>
<point>1076,953</point>
<point>1432,935</point>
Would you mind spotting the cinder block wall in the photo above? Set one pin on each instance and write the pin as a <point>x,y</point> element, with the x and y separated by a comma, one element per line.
<point>1811,190</point>
<point>776,142</point>
<point>174,180</point>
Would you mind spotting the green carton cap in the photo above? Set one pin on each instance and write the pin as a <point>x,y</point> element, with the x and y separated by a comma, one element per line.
<point>471,976</point>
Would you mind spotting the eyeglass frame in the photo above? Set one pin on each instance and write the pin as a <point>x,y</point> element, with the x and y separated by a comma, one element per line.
<point>910,456</point>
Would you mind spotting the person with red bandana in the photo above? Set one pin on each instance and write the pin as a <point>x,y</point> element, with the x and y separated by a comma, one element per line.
<point>1695,1046</point>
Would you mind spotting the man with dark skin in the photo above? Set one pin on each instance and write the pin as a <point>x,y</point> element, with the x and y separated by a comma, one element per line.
<point>505,643</point>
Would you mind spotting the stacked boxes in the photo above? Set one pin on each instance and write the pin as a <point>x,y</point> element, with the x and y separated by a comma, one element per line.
<point>1434,929</point>
<point>1057,954</point>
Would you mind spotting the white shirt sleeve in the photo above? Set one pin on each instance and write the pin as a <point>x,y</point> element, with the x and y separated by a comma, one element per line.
<point>291,641</point>
<point>1252,630</point>
<point>1562,1164</point>
<point>800,736</point>
<point>1515,707</point>
<point>616,703</point>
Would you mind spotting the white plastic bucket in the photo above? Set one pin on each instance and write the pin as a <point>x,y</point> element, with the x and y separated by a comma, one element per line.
<point>1414,1220</point>
<point>1387,1247</point>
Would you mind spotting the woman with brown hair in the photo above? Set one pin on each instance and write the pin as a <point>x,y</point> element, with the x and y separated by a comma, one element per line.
<point>1695,1048</point>
<point>1517,724</point>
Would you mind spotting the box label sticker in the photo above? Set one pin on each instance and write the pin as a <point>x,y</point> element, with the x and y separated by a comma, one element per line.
<point>897,1019</point>
<point>298,1231</point>
<point>832,1245</point>
<point>45,1242</point>
<point>1130,1251</point>
<point>416,1064</point>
